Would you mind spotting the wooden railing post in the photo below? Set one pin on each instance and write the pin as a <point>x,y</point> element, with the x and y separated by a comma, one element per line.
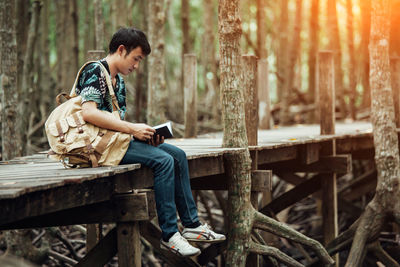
<point>326,92</point>
<point>263,94</point>
<point>190,94</point>
<point>395,76</point>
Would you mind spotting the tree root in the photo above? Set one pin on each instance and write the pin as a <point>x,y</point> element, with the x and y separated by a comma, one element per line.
<point>273,252</point>
<point>369,226</point>
<point>267,224</point>
<point>382,255</point>
<point>261,240</point>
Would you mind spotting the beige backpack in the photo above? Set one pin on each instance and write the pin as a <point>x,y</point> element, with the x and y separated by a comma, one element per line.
<point>77,143</point>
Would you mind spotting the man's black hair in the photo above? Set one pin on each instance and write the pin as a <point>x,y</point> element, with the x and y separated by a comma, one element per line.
<point>130,38</point>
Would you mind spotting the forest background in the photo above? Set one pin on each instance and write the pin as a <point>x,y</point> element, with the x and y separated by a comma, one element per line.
<point>288,33</point>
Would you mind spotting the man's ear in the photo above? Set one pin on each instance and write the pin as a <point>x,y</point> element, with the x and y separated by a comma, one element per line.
<point>121,50</point>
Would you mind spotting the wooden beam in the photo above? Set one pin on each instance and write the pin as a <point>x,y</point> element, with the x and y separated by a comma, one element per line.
<point>103,251</point>
<point>326,164</point>
<point>55,199</point>
<point>131,207</point>
<point>263,94</point>
<point>296,194</point>
<point>266,156</point>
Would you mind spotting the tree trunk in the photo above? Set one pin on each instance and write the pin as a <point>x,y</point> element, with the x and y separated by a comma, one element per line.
<point>26,105</point>
<point>8,80</point>
<point>261,30</point>
<point>47,94</point>
<point>61,45</point>
<point>334,45</point>
<point>121,14</point>
<point>156,101</point>
<point>394,48</point>
<point>282,57</point>
<point>364,64</point>
<point>99,25</point>
<point>209,62</point>
<point>23,18</point>
<point>142,74</point>
<point>352,61</point>
<point>386,202</point>
<point>72,53</point>
<point>186,48</point>
<point>294,55</point>
<point>312,55</point>
<point>242,215</point>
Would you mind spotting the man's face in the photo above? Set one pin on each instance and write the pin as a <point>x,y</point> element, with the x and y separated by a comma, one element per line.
<point>130,62</point>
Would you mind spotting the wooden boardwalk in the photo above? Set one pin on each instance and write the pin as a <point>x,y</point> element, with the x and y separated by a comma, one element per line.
<point>38,192</point>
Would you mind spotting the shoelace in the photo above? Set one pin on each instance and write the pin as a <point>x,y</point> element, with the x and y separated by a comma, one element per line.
<point>182,239</point>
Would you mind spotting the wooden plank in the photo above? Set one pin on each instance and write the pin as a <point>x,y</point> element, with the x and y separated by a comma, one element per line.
<point>102,252</point>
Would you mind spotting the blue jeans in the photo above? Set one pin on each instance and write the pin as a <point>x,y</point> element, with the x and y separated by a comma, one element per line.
<point>171,183</point>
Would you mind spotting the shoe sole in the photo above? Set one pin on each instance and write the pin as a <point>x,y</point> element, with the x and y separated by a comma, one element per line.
<point>164,247</point>
<point>205,240</point>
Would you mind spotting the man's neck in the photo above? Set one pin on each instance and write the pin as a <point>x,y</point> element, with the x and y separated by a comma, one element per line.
<point>111,65</point>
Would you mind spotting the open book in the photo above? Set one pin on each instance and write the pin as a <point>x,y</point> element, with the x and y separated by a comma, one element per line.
<point>164,129</point>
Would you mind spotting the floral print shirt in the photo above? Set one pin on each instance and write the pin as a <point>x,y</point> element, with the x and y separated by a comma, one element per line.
<point>92,86</point>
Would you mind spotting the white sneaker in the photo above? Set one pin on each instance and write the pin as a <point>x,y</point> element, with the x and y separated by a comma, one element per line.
<point>180,246</point>
<point>203,233</point>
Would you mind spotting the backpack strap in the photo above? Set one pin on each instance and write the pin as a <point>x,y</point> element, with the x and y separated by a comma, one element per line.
<point>109,85</point>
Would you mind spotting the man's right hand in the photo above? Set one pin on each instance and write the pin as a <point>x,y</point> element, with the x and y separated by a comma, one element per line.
<point>141,131</point>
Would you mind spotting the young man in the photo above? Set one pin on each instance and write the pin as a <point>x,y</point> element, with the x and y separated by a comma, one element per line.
<point>127,48</point>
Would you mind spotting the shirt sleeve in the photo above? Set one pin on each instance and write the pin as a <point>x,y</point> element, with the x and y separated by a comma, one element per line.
<point>89,85</point>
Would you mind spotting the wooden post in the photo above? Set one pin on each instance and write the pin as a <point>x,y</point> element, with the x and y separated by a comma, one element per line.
<point>395,77</point>
<point>93,231</point>
<point>263,94</point>
<point>190,94</point>
<point>250,91</point>
<point>326,92</point>
<point>326,84</point>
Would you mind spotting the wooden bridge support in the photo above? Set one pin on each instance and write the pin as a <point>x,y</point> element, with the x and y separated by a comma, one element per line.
<point>326,90</point>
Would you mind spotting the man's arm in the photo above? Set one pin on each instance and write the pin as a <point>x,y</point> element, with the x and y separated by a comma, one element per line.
<point>105,120</point>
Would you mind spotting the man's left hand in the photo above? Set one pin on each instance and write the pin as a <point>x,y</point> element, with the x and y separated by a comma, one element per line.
<point>156,141</point>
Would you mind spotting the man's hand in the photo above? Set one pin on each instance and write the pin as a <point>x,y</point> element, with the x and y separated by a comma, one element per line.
<point>156,141</point>
<point>142,132</point>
